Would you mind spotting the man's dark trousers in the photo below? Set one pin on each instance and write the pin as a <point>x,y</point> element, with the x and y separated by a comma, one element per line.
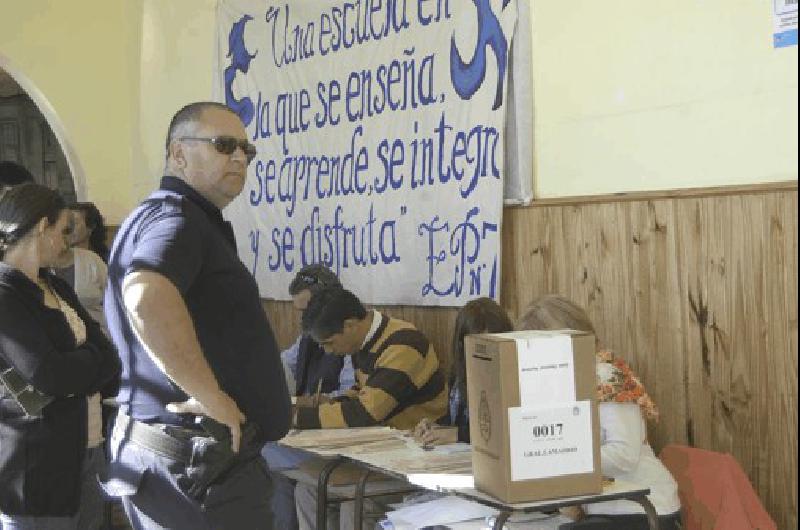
<point>152,499</point>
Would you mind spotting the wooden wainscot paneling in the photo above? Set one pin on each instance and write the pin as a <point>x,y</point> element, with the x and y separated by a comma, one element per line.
<point>696,288</point>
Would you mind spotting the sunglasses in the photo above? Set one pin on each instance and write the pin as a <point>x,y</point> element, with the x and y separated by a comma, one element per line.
<point>226,145</point>
<point>308,279</point>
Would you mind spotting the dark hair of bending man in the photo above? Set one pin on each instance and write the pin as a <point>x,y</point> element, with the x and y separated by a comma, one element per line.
<point>399,380</point>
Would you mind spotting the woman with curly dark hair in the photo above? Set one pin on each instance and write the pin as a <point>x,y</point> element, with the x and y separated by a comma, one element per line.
<point>90,229</point>
<point>90,258</point>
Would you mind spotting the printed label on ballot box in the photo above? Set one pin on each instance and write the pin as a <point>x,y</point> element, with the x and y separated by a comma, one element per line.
<point>546,370</point>
<point>551,441</point>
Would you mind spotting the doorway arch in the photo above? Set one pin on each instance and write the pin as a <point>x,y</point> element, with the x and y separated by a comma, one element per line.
<point>56,126</point>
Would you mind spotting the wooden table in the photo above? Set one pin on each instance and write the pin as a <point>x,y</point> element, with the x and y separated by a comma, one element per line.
<point>389,463</point>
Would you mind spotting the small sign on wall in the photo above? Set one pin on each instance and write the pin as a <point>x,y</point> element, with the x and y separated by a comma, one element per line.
<point>785,23</point>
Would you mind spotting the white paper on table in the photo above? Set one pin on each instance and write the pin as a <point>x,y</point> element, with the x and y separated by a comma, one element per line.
<point>546,370</point>
<point>445,510</point>
<point>546,523</point>
<point>551,441</point>
<point>526,521</point>
<point>441,481</point>
<point>448,449</point>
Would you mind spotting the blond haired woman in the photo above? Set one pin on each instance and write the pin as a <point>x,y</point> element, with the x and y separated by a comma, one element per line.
<point>624,406</point>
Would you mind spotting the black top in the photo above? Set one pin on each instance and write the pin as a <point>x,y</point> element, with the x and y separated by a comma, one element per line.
<point>457,411</point>
<point>316,369</point>
<point>41,458</point>
<point>182,236</point>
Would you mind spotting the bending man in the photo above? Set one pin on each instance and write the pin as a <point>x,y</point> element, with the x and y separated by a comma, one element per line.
<point>398,383</point>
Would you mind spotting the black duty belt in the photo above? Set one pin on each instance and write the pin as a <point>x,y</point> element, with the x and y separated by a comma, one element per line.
<point>206,453</point>
<point>157,440</point>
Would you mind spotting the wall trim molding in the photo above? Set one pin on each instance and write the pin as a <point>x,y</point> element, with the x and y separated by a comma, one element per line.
<point>691,193</point>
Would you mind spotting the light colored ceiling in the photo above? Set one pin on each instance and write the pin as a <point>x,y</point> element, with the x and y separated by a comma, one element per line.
<point>8,87</point>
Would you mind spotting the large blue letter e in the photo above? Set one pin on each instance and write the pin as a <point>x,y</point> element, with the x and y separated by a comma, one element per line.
<point>240,62</point>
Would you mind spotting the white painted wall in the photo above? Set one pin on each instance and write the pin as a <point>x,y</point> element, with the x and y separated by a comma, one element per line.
<point>628,95</point>
<point>650,95</point>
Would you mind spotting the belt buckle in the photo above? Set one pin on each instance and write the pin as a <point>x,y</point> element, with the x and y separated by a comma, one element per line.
<point>183,434</point>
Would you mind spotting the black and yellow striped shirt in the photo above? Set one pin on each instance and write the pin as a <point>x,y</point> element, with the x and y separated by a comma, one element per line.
<point>399,383</point>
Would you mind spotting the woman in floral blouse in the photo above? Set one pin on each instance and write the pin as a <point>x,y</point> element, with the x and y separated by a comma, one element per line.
<point>624,406</point>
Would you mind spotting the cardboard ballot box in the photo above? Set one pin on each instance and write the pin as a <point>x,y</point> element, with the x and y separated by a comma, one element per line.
<point>534,426</point>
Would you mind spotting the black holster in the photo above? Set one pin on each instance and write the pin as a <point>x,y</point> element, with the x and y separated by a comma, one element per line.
<point>212,459</point>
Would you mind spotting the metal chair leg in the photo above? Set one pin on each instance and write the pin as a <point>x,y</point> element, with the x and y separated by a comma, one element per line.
<point>502,517</point>
<point>649,509</point>
<point>361,487</point>
<point>322,492</point>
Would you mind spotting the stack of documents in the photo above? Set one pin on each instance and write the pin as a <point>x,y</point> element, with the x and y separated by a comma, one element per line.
<point>343,441</point>
<point>442,511</point>
<point>456,513</point>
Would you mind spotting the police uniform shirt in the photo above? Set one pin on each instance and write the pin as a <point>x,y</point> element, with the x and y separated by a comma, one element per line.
<point>179,234</point>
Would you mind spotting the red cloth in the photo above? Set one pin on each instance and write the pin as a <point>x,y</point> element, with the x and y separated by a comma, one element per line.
<point>714,490</point>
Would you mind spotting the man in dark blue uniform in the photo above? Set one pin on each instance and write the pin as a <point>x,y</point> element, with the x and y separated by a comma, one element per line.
<point>185,314</point>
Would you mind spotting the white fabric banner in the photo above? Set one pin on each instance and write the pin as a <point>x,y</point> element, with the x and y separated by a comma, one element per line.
<point>518,175</point>
<point>380,127</point>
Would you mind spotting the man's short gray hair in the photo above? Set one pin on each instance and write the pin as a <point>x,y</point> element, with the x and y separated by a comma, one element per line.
<point>190,114</point>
